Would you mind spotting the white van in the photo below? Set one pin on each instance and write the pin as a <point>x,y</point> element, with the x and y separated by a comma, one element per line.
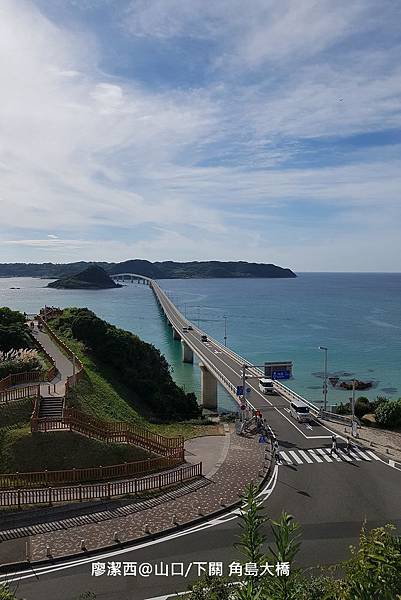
<point>300,411</point>
<point>266,386</point>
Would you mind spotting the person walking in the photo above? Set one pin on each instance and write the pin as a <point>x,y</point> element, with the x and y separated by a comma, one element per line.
<point>276,449</point>
<point>333,444</point>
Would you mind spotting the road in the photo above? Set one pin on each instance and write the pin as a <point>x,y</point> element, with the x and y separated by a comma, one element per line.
<point>330,496</point>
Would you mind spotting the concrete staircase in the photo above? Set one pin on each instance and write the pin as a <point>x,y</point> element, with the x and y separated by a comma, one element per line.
<point>51,407</point>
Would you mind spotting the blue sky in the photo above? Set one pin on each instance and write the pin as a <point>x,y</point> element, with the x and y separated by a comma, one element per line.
<point>267,131</point>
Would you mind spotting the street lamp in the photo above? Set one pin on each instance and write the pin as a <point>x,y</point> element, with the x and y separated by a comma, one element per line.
<point>325,376</point>
<point>225,330</point>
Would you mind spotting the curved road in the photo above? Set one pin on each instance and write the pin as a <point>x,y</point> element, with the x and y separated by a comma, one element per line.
<point>330,496</point>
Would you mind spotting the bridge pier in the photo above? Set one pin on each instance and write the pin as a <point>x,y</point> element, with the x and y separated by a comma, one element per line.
<point>176,335</point>
<point>187,354</point>
<point>208,389</point>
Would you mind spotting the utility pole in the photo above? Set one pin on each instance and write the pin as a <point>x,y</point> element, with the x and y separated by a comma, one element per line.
<point>325,376</point>
<point>225,331</point>
<point>244,366</point>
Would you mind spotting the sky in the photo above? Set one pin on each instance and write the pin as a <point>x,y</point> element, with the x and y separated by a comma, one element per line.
<point>267,131</point>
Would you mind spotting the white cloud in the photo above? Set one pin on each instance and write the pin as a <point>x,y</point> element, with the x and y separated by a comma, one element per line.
<point>185,170</point>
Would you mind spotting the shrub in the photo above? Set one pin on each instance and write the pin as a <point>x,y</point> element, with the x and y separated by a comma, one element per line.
<point>19,361</point>
<point>388,414</point>
<point>362,406</point>
<point>343,409</point>
<point>141,367</point>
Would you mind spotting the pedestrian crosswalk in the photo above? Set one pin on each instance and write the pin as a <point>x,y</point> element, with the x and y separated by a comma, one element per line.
<point>296,456</point>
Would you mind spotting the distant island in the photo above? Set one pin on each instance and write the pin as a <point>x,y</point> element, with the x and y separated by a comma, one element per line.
<point>91,278</point>
<point>155,270</point>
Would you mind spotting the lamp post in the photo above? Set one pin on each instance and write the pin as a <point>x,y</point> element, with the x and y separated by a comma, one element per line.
<point>225,330</point>
<point>325,376</point>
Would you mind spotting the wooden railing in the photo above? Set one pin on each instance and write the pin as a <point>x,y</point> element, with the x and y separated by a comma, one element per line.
<point>17,378</point>
<point>108,490</point>
<point>116,432</point>
<point>80,372</point>
<point>31,391</point>
<point>35,479</point>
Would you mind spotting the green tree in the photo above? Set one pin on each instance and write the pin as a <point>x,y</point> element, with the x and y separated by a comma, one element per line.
<point>388,414</point>
<point>11,317</point>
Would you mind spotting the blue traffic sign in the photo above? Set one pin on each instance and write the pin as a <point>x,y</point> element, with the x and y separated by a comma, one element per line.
<point>263,439</point>
<point>281,374</point>
<point>240,390</point>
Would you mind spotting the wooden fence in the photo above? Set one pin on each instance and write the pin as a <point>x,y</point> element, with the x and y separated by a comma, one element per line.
<point>108,431</point>
<point>108,490</point>
<point>80,372</point>
<point>36,479</point>
<point>31,391</point>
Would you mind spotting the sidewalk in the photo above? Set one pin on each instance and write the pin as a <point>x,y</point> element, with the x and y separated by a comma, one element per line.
<point>63,364</point>
<point>230,463</point>
<point>382,441</point>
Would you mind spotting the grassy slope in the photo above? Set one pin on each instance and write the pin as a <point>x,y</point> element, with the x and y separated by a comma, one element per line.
<point>21,451</point>
<point>101,395</point>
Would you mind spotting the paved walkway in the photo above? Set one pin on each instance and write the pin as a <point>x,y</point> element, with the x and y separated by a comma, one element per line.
<point>64,365</point>
<point>230,462</point>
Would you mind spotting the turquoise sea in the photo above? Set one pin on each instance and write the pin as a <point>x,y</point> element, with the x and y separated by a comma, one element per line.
<point>356,316</point>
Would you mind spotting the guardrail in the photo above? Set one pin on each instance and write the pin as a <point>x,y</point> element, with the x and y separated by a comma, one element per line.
<point>31,391</point>
<point>80,493</point>
<point>34,479</point>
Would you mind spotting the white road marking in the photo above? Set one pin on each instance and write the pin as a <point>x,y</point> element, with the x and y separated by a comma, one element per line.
<point>305,456</point>
<point>354,455</point>
<point>326,450</point>
<point>326,457</point>
<point>286,457</point>
<point>28,574</point>
<point>372,454</point>
<point>315,456</point>
<point>344,456</point>
<point>308,437</point>
<point>295,456</point>
<point>361,453</point>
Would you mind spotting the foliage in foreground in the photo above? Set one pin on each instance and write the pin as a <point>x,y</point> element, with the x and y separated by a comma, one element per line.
<point>372,571</point>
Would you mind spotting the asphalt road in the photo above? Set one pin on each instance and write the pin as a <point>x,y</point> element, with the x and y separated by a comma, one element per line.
<point>330,497</point>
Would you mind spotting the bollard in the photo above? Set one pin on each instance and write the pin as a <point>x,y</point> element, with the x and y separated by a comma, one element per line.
<point>146,529</point>
<point>48,552</point>
<point>222,503</point>
<point>200,512</point>
<point>115,537</point>
<point>83,545</point>
<point>174,520</point>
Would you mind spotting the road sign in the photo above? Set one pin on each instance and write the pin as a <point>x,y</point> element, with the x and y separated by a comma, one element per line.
<point>248,390</point>
<point>263,439</point>
<point>278,367</point>
<point>240,390</point>
<point>283,374</point>
<point>243,407</point>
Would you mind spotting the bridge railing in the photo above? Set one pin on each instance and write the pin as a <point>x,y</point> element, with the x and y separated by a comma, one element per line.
<point>108,490</point>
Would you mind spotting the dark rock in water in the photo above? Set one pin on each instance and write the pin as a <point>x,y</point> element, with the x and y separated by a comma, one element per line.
<point>92,278</point>
<point>359,385</point>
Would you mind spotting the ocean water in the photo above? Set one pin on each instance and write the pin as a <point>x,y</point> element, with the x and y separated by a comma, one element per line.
<point>356,316</point>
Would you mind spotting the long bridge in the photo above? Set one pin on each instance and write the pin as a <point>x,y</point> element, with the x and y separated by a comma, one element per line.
<point>218,364</point>
<point>332,495</point>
